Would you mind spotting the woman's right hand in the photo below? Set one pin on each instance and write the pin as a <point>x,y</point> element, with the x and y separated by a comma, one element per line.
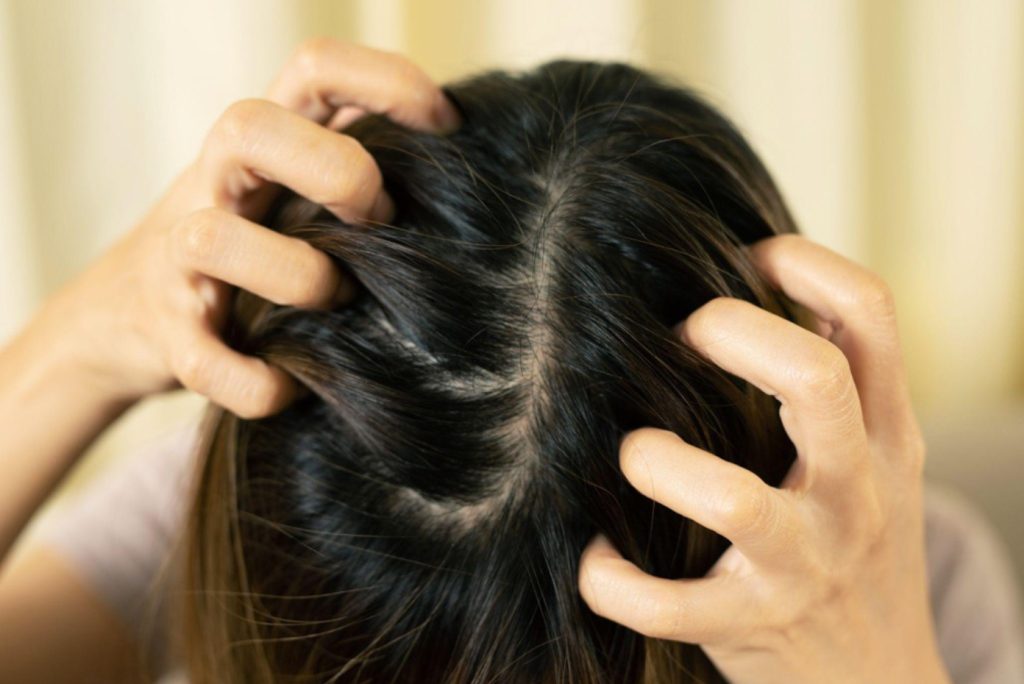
<point>147,315</point>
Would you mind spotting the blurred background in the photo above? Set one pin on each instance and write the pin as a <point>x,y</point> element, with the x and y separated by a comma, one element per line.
<point>894,127</point>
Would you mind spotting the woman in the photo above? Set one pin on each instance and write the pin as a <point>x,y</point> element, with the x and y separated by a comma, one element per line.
<point>417,511</point>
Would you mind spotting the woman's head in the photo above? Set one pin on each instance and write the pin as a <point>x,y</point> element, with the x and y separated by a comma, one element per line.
<point>420,514</point>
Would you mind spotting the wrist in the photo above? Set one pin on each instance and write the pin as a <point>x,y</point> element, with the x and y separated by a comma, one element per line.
<point>60,352</point>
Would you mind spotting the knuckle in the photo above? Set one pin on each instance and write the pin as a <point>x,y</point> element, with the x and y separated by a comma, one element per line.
<point>240,119</point>
<point>744,511</point>
<point>312,53</point>
<point>826,374</point>
<point>190,367</point>
<point>358,181</point>
<point>410,79</point>
<point>198,234</point>
<point>875,297</point>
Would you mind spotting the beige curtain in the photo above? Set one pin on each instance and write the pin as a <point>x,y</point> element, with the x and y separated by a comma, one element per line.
<point>894,127</point>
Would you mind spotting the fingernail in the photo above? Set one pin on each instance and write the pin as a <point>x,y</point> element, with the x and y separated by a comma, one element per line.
<point>346,291</point>
<point>601,545</point>
<point>446,116</point>
<point>680,331</point>
<point>383,208</point>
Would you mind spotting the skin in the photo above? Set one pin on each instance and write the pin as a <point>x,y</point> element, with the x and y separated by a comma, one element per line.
<point>826,579</point>
<point>146,318</point>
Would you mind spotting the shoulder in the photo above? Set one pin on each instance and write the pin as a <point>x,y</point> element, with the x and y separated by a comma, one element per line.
<point>973,593</point>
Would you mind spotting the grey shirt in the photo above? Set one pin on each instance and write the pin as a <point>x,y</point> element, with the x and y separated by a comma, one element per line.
<point>120,532</point>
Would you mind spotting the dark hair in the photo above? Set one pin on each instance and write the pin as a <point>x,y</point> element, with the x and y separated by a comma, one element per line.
<point>420,514</point>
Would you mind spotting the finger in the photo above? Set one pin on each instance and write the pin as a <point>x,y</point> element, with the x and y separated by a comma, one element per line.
<point>858,307</point>
<point>344,117</point>
<point>247,386</point>
<point>281,269</point>
<point>257,140</point>
<point>806,373</point>
<point>324,75</point>
<point>721,496</point>
<point>697,611</point>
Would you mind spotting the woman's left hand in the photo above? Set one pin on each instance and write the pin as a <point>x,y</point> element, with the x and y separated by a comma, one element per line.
<point>826,578</point>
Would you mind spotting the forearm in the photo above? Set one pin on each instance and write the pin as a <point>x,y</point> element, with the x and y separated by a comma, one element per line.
<point>51,409</point>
